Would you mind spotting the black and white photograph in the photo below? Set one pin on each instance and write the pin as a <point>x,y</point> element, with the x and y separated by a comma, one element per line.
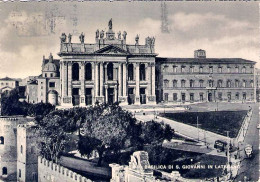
<point>129,91</point>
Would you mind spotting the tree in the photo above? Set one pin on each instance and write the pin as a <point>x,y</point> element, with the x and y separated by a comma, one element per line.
<point>107,129</point>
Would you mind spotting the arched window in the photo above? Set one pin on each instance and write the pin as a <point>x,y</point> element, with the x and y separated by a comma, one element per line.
<point>4,171</point>
<point>236,83</point>
<point>166,83</point>
<point>210,83</point>
<point>244,69</point>
<point>130,72</point>
<point>75,71</point>
<point>252,83</point>
<point>183,83</point>
<point>142,72</point>
<point>110,70</point>
<point>244,83</point>
<point>21,149</point>
<point>191,83</point>
<point>2,140</point>
<point>88,71</point>
<point>219,83</point>
<point>174,83</point>
<point>201,83</point>
<point>228,83</point>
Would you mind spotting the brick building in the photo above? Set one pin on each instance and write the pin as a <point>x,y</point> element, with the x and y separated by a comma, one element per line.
<point>202,79</point>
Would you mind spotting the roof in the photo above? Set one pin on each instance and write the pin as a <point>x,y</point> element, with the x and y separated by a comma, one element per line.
<point>7,79</point>
<point>205,60</point>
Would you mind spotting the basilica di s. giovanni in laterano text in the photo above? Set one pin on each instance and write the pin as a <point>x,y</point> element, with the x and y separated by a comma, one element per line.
<point>110,70</point>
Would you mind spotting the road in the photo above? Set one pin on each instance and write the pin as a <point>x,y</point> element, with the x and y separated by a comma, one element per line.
<point>250,167</point>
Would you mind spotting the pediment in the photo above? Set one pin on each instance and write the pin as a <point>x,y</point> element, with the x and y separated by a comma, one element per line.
<point>111,49</point>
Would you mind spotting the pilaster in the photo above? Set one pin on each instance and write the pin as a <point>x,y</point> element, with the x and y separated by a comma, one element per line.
<point>122,86</point>
<point>82,84</point>
<point>137,87</point>
<point>152,97</point>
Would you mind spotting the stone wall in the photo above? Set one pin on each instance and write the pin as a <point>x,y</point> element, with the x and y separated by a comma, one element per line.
<point>49,171</point>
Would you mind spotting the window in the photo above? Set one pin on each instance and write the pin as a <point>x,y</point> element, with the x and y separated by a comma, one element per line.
<point>165,68</point>
<point>244,96</point>
<point>166,97</point>
<point>2,140</point>
<point>182,69</point>
<point>166,83</point>
<point>35,177</point>
<point>228,69</point>
<point>191,97</point>
<point>252,83</point>
<point>20,173</point>
<point>175,97</point>
<point>32,150</point>
<point>45,74</point>
<point>191,69</point>
<point>220,95</point>
<point>174,69</point>
<point>211,69</point>
<point>52,84</point>
<point>228,83</point>
<point>220,83</point>
<point>201,69</point>
<point>244,69</point>
<point>237,69</point>
<point>21,149</point>
<point>75,71</point>
<point>220,69</point>
<point>252,96</point>
<point>210,83</point>
<point>183,97</point>
<point>7,83</point>
<point>237,96</point>
<point>51,74</point>
<point>174,83</point>
<point>41,94</point>
<point>201,83</point>
<point>130,72</point>
<point>244,83</point>
<point>201,97</point>
<point>4,171</point>
<point>191,83</point>
<point>183,83</point>
<point>229,96</point>
<point>236,83</point>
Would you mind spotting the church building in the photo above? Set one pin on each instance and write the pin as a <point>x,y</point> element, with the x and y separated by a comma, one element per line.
<point>110,70</point>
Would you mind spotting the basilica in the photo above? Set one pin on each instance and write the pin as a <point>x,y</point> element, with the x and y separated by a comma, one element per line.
<point>110,70</point>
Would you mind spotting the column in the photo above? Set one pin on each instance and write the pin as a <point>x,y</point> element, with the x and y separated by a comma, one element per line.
<point>115,92</point>
<point>106,98</point>
<point>65,79</point>
<point>96,80</point>
<point>148,79</point>
<point>119,79</point>
<point>137,87</point>
<point>153,97</point>
<point>82,84</point>
<point>122,74</point>
<point>105,73</point>
<point>69,86</point>
<point>101,79</point>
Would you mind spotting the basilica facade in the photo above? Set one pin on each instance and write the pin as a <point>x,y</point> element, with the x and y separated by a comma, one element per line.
<point>110,70</point>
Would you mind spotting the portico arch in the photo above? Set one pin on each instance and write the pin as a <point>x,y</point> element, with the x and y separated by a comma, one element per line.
<point>130,72</point>
<point>110,71</point>
<point>75,71</point>
<point>88,71</point>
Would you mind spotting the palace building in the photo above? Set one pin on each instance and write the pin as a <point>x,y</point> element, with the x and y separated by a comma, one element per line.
<point>110,70</point>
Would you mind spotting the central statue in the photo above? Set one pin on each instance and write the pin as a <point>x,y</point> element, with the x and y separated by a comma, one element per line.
<point>110,24</point>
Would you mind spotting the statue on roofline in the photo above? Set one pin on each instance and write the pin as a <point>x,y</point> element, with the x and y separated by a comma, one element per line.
<point>124,35</point>
<point>119,35</point>
<point>69,38</point>
<point>137,39</point>
<point>110,24</point>
<point>102,34</point>
<point>97,34</point>
<point>63,38</point>
<point>81,37</point>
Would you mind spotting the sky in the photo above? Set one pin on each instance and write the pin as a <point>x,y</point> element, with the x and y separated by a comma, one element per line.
<point>30,30</point>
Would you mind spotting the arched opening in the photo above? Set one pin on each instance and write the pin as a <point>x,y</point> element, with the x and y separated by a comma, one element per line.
<point>142,72</point>
<point>2,140</point>
<point>75,71</point>
<point>110,71</point>
<point>130,72</point>
<point>210,97</point>
<point>53,97</point>
<point>4,171</point>
<point>88,71</point>
<point>21,149</point>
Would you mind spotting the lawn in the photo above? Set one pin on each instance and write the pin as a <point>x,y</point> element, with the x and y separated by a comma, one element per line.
<point>215,121</point>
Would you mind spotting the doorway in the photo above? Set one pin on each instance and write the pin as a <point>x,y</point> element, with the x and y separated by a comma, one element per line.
<point>75,96</point>
<point>131,96</point>
<point>142,96</point>
<point>110,95</point>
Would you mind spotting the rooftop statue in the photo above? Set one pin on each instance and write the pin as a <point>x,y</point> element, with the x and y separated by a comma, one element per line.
<point>69,38</point>
<point>81,37</point>
<point>137,39</point>
<point>63,38</point>
<point>110,24</point>
<point>50,58</point>
<point>119,35</point>
<point>153,41</point>
<point>124,35</point>
<point>97,34</point>
<point>102,34</point>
